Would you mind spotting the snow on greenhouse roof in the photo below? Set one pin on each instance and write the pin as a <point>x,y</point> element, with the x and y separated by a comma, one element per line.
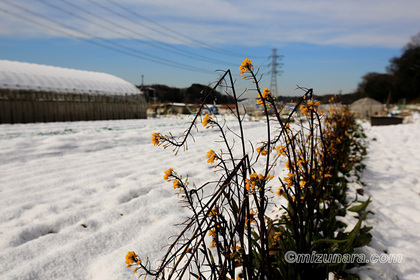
<point>28,76</point>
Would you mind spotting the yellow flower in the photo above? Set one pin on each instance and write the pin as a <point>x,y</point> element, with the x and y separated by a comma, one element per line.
<point>289,179</point>
<point>211,156</point>
<point>262,151</point>
<point>167,174</point>
<point>251,182</point>
<point>303,109</point>
<point>264,95</point>
<point>246,66</point>
<point>255,179</point>
<point>206,120</point>
<point>213,234</point>
<point>156,138</point>
<point>288,164</point>
<point>281,150</point>
<point>176,184</point>
<point>280,191</point>
<point>132,257</point>
<point>214,211</point>
<point>311,102</point>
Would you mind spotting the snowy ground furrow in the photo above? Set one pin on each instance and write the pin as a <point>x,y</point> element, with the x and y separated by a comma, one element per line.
<point>75,197</point>
<point>392,178</point>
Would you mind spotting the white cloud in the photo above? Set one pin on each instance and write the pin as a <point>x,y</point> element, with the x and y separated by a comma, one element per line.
<point>385,23</point>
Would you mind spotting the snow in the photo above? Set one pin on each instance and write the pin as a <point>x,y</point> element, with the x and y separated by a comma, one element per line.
<point>77,196</point>
<point>392,179</point>
<point>28,76</point>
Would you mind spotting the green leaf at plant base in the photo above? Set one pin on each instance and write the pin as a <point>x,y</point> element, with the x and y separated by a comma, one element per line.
<point>211,256</point>
<point>353,234</point>
<point>361,207</point>
<point>363,238</point>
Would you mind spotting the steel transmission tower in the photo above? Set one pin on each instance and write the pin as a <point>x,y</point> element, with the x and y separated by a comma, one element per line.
<point>274,64</point>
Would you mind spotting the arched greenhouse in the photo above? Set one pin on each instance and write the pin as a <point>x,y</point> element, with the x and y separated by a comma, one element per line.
<point>39,93</point>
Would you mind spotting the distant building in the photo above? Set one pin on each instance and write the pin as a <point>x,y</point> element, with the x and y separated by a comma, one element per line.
<point>364,108</point>
<point>39,93</point>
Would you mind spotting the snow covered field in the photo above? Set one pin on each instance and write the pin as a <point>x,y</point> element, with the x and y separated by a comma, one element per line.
<point>392,178</point>
<point>75,197</point>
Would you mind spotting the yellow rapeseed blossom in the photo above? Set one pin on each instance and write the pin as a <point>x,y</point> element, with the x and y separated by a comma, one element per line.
<point>246,66</point>
<point>279,235</point>
<point>289,179</point>
<point>251,182</point>
<point>255,179</point>
<point>266,92</point>
<point>206,120</point>
<point>131,258</point>
<point>214,211</point>
<point>262,151</point>
<point>156,138</point>
<point>300,161</point>
<point>213,234</point>
<point>167,173</point>
<point>303,109</point>
<point>281,150</point>
<point>176,184</point>
<point>264,95</point>
<point>211,157</point>
<point>311,105</point>
<point>288,164</point>
<point>280,191</point>
<point>311,102</point>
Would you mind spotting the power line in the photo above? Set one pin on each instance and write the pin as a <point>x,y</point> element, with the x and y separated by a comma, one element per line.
<point>190,40</point>
<point>108,44</point>
<point>60,27</point>
<point>152,42</point>
<point>83,39</point>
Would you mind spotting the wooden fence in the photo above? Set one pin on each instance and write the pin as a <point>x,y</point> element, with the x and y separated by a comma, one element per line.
<point>19,106</point>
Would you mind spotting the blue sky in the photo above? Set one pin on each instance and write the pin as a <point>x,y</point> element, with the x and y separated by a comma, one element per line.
<point>327,45</point>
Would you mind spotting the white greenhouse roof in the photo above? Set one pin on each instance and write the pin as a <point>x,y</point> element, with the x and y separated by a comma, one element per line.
<point>28,76</point>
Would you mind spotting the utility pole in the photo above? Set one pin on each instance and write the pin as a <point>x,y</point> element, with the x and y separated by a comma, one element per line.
<point>274,64</point>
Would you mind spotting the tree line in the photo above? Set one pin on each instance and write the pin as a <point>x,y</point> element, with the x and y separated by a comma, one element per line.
<point>191,95</point>
<point>401,80</point>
